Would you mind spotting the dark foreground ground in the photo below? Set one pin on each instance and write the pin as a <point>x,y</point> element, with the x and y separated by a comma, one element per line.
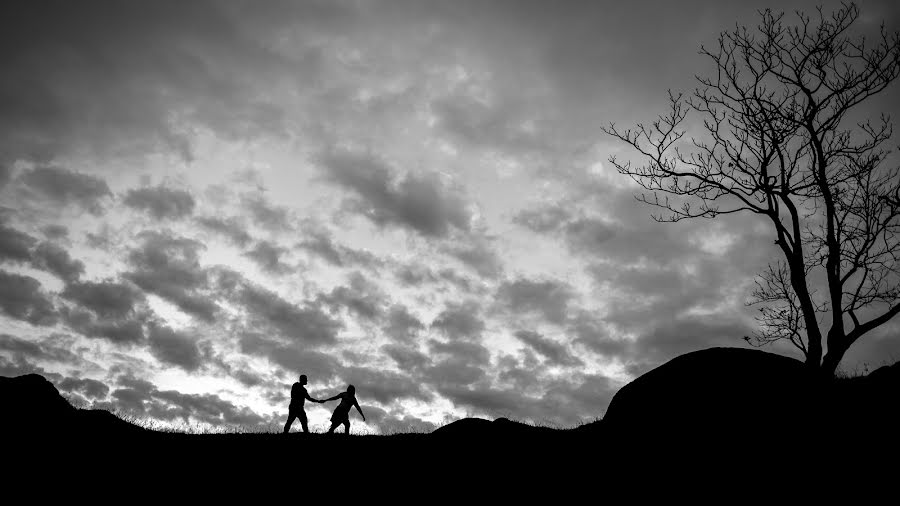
<point>691,429</point>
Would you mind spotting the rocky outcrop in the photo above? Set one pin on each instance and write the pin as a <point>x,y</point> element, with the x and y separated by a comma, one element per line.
<point>729,391</point>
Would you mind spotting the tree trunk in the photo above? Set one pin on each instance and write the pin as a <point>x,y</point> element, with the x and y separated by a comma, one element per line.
<point>832,359</point>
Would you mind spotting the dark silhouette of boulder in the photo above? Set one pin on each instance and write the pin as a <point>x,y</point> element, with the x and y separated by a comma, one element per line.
<point>717,391</point>
<point>33,406</point>
<point>464,427</point>
<point>31,403</point>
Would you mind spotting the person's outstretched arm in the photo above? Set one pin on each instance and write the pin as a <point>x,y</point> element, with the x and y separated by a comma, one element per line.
<point>336,397</point>
<point>355,403</point>
<point>309,397</point>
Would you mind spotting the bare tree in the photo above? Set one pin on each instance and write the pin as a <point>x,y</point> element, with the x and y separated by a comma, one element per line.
<point>780,138</point>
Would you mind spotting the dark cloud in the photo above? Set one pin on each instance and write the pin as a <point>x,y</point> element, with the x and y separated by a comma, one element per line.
<point>90,388</point>
<point>555,353</point>
<point>505,124</point>
<point>112,77</point>
<point>462,351</point>
<point>456,363</point>
<point>161,202</point>
<point>547,298</point>
<point>55,231</point>
<point>401,324</point>
<point>45,349</point>
<point>480,257</point>
<point>169,266</point>
<point>322,245</point>
<point>417,201</point>
<point>460,321</point>
<point>543,219</point>
<point>63,187</point>
<point>668,339</point>
<point>107,299</point>
<point>53,258</point>
<point>453,372</point>
<point>5,174</point>
<point>592,333</point>
<point>361,298</point>
<point>385,387</point>
<point>406,357</point>
<point>317,365</point>
<point>587,235</point>
<point>232,228</point>
<point>267,215</point>
<point>397,423</point>
<point>564,403</point>
<point>268,257</point>
<point>124,330</point>
<point>15,245</point>
<point>174,348</point>
<point>22,298</point>
<point>142,398</point>
<point>302,323</point>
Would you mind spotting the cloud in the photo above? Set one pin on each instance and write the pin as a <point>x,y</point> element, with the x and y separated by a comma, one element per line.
<point>480,257</point>
<point>301,323</point>
<point>507,125</point>
<point>229,227</point>
<point>113,78</point>
<point>48,349</point>
<point>174,348</point>
<point>122,331</point>
<point>21,298</point>
<point>555,353</point>
<point>107,299</point>
<point>460,321</point>
<point>53,258</point>
<point>385,387</point>
<point>587,235</point>
<point>361,298</point>
<point>64,187</point>
<point>591,332</point>
<point>55,231</point>
<point>420,202</point>
<point>460,363</point>
<point>548,298</point>
<point>268,257</point>
<point>322,245</point>
<point>543,219</point>
<point>317,365</point>
<point>142,398</point>
<point>161,202</point>
<point>667,339</point>
<point>267,215</point>
<point>406,357</point>
<point>15,246</point>
<point>90,388</point>
<point>462,351</point>
<point>169,266</point>
<point>401,324</point>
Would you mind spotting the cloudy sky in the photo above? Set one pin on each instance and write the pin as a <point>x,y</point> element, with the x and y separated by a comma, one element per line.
<point>203,200</point>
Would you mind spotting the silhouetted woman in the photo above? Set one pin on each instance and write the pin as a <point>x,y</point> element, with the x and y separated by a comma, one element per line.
<point>341,415</point>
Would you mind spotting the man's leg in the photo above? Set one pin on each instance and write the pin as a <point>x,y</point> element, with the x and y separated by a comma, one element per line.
<point>303,421</point>
<point>333,426</point>
<point>290,421</point>
<point>346,426</point>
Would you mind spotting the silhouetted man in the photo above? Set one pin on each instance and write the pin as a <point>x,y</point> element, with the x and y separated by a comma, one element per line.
<point>298,399</point>
<point>341,415</point>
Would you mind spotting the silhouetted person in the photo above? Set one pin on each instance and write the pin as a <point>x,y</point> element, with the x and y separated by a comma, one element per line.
<point>298,399</point>
<point>341,415</point>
